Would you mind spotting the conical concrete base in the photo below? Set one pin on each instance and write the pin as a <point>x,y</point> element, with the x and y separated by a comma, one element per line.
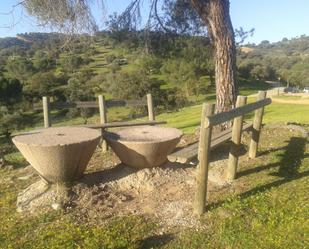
<point>59,154</point>
<point>143,147</point>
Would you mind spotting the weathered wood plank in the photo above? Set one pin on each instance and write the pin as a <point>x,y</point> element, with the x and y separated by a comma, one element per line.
<point>151,114</point>
<point>93,104</point>
<point>46,112</point>
<point>86,104</point>
<point>56,105</point>
<point>122,124</point>
<point>67,105</point>
<point>103,118</point>
<point>236,141</point>
<point>257,124</point>
<point>190,152</point>
<point>123,103</point>
<point>239,111</point>
<point>202,170</point>
<point>63,105</point>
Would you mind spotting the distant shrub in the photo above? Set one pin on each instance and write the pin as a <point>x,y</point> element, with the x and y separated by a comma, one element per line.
<point>173,98</point>
<point>114,67</point>
<point>110,58</point>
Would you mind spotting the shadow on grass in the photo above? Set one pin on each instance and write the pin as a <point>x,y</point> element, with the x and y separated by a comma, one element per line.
<point>288,169</point>
<point>10,154</point>
<point>266,152</point>
<point>290,160</point>
<point>156,241</point>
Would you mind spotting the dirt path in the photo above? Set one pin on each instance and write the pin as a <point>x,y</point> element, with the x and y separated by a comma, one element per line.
<point>291,101</point>
<point>272,93</point>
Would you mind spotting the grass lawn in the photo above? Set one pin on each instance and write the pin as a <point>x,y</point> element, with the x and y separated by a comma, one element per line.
<point>188,118</point>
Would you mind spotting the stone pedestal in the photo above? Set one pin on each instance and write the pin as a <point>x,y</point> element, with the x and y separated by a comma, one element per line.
<point>59,154</point>
<point>143,147</point>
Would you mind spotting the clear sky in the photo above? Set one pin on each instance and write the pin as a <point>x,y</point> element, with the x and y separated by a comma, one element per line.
<point>272,19</point>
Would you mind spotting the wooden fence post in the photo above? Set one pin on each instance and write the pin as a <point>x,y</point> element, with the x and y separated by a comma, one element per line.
<point>46,112</point>
<point>236,141</point>
<point>151,114</point>
<point>103,118</point>
<point>257,123</point>
<point>202,170</point>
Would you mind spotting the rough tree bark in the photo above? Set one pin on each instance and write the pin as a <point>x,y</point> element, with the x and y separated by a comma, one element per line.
<point>215,14</point>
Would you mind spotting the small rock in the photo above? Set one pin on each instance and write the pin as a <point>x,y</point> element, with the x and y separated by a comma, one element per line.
<point>9,167</point>
<point>2,162</point>
<point>123,198</point>
<point>25,177</point>
<point>55,206</point>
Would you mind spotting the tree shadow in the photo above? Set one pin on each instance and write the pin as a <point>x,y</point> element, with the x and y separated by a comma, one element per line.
<point>107,175</point>
<point>156,241</point>
<point>291,159</point>
<point>288,169</point>
<point>294,153</point>
<point>266,152</point>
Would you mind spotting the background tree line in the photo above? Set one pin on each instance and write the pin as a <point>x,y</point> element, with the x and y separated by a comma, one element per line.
<point>177,69</point>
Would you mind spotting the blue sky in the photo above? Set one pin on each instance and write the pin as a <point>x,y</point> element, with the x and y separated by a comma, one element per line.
<point>272,19</point>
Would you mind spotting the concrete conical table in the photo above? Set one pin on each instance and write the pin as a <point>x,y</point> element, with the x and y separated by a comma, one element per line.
<point>145,146</point>
<point>59,154</point>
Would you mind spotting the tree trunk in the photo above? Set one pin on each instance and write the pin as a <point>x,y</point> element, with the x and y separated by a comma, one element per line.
<point>215,14</point>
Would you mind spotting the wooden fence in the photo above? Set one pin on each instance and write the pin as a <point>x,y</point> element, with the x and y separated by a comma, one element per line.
<point>209,120</point>
<point>102,105</point>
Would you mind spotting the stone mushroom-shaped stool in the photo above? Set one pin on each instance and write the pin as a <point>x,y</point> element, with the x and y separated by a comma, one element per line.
<point>145,146</point>
<point>59,154</point>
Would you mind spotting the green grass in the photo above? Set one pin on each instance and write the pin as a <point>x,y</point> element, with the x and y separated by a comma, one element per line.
<point>188,118</point>
<point>286,113</point>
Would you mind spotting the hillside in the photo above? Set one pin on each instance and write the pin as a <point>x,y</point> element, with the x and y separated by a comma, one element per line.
<point>287,61</point>
<point>178,71</point>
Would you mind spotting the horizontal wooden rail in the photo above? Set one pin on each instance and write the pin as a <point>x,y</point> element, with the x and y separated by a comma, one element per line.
<point>92,104</point>
<point>122,124</point>
<point>239,111</point>
<point>187,154</point>
<point>129,103</point>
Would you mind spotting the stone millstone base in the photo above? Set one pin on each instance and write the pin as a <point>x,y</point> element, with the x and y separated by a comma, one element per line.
<point>143,147</point>
<point>59,154</point>
<point>42,196</point>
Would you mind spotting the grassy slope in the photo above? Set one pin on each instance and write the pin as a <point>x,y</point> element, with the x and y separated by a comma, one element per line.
<point>188,118</point>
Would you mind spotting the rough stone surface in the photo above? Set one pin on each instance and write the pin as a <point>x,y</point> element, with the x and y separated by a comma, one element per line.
<point>59,154</point>
<point>41,195</point>
<point>2,163</point>
<point>143,147</point>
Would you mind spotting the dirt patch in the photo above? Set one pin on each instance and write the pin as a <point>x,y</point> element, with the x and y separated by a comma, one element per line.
<point>303,100</point>
<point>165,193</point>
